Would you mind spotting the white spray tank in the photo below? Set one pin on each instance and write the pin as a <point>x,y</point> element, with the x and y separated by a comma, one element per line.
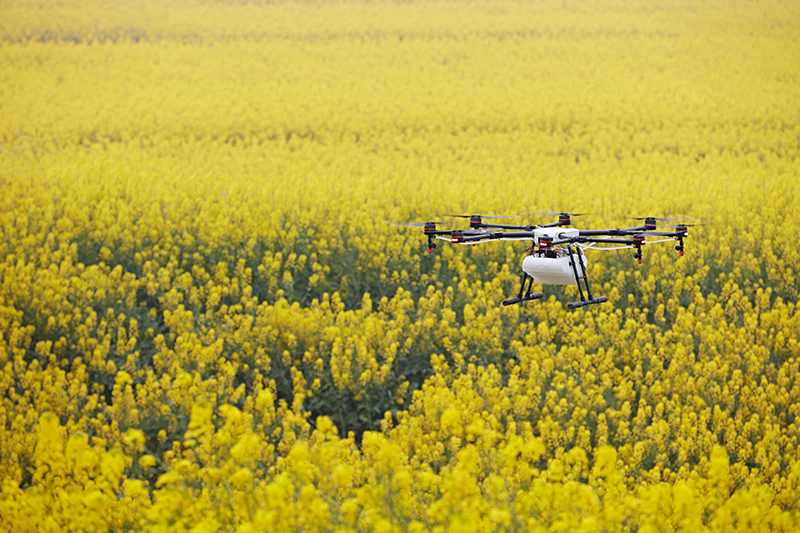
<point>555,266</point>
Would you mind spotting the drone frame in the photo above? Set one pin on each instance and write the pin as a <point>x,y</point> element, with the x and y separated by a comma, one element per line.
<point>546,236</point>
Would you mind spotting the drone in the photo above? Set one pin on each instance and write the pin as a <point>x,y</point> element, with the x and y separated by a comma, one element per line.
<point>557,254</point>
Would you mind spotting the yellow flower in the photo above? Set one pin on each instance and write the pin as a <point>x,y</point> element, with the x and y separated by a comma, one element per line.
<point>147,461</point>
<point>242,478</point>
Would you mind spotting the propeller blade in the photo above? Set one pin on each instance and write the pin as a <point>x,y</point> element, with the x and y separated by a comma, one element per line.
<point>685,225</point>
<point>478,216</point>
<point>556,213</point>
<point>676,218</point>
<point>411,224</point>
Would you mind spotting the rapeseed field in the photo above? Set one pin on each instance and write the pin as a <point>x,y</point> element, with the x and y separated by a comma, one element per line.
<point>207,325</point>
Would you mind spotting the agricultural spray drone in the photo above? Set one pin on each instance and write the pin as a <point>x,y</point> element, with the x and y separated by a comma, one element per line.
<point>556,257</point>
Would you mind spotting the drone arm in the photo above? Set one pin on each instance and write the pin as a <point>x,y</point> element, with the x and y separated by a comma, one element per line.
<point>609,241</point>
<point>517,234</point>
<point>474,238</point>
<point>673,234</point>
<point>494,236</point>
<point>582,239</point>
<point>610,232</point>
<point>448,232</point>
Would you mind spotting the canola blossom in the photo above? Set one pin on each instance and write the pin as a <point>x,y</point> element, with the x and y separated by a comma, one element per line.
<point>207,325</point>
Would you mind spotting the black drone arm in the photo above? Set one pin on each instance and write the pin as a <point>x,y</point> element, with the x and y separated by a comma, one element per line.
<point>488,236</point>
<point>664,233</point>
<point>678,232</point>
<point>610,232</point>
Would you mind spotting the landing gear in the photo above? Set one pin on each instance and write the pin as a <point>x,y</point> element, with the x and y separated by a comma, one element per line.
<point>562,266</point>
<point>577,257</point>
<point>527,294</point>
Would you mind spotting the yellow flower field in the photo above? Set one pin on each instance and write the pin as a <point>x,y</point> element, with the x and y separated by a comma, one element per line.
<point>206,324</point>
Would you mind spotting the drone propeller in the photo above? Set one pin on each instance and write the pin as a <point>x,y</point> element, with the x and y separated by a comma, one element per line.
<point>685,225</point>
<point>651,223</point>
<point>476,221</point>
<point>676,218</point>
<point>564,219</point>
<point>478,216</point>
<point>546,213</point>
<point>413,224</point>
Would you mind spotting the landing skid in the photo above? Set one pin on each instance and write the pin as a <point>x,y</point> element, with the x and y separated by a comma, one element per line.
<point>527,294</point>
<point>577,305</point>
<point>517,299</point>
